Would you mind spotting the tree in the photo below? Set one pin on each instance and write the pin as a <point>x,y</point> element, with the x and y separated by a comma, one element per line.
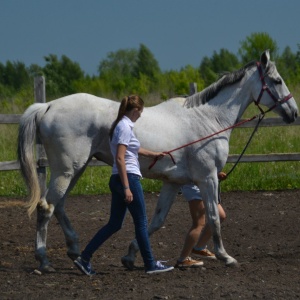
<point>146,71</point>
<point>117,70</point>
<point>35,70</point>
<point>288,65</point>
<point>177,83</point>
<point>254,45</point>
<point>298,55</point>
<point>146,64</point>
<point>14,75</point>
<point>130,71</point>
<point>224,61</point>
<point>118,64</point>
<point>211,68</point>
<point>60,74</point>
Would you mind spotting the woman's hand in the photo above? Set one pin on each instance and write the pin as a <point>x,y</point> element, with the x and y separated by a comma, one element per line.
<point>128,196</point>
<point>159,155</point>
<point>152,154</point>
<point>222,176</point>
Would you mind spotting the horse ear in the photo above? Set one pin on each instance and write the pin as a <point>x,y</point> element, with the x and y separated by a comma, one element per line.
<point>264,58</point>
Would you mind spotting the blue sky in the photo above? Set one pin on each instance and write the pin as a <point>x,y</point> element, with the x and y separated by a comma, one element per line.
<point>177,32</point>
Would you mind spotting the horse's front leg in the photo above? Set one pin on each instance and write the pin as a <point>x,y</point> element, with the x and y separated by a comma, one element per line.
<point>165,201</point>
<point>210,195</point>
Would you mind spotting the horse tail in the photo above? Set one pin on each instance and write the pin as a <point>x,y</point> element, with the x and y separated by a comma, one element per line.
<point>28,127</point>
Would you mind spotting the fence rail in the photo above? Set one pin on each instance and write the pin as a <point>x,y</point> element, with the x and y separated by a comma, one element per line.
<point>9,119</point>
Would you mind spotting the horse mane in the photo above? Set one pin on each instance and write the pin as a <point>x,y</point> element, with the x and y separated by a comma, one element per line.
<point>211,91</point>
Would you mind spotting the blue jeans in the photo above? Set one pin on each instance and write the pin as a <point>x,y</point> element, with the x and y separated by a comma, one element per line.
<point>118,210</point>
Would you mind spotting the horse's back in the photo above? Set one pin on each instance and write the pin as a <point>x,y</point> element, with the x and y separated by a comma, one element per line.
<point>75,127</point>
<point>77,114</point>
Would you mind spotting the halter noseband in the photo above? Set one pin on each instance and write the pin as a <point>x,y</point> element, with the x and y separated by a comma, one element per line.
<point>266,88</point>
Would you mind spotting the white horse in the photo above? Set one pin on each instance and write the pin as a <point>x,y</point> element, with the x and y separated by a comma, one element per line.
<point>74,129</point>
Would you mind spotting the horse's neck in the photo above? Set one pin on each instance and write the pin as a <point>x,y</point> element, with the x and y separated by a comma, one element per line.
<point>230,104</point>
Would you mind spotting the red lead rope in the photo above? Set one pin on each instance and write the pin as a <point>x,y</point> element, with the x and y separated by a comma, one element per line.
<point>204,138</point>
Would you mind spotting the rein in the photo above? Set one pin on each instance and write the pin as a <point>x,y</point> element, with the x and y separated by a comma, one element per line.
<point>204,138</point>
<point>261,116</point>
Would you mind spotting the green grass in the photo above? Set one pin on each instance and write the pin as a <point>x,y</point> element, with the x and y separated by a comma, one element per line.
<point>246,176</point>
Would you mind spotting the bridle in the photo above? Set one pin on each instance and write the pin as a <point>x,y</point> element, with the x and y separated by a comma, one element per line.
<point>266,88</point>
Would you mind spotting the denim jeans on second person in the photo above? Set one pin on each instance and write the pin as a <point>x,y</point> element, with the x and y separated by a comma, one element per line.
<point>117,214</point>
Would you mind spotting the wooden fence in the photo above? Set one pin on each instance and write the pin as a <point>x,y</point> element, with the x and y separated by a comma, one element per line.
<point>39,88</point>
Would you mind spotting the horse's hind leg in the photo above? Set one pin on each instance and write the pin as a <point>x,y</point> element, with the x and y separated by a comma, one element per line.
<point>44,214</point>
<point>55,196</point>
<point>165,201</point>
<point>71,236</point>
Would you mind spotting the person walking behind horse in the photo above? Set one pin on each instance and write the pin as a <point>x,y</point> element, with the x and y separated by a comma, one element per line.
<point>199,233</point>
<point>126,189</point>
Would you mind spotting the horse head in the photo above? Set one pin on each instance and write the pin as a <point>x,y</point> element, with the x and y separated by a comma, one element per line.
<point>273,91</point>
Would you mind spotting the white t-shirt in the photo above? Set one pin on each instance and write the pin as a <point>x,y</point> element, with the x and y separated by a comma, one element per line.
<point>124,135</point>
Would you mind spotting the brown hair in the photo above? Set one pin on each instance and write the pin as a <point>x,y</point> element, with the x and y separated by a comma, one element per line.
<point>127,104</point>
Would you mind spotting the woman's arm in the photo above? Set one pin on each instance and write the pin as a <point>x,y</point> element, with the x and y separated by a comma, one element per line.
<point>120,162</point>
<point>152,154</point>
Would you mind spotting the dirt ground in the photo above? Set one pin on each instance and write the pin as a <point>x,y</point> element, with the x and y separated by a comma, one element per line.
<point>261,231</point>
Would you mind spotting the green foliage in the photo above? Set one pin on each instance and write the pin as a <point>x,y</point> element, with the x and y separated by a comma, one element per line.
<point>130,71</point>
<point>252,47</point>
<point>146,73</point>
<point>13,77</point>
<point>117,71</point>
<point>94,181</point>
<point>177,83</point>
<point>263,176</point>
<point>141,85</point>
<point>146,65</point>
<point>288,65</point>
<point>211,68</point>
<point>118,64</point>
<point>208,74</point>
<point>94,86</point>
<point>60,75</point>
<point>17,102</point>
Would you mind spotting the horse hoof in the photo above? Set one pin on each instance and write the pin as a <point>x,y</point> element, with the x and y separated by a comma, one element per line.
<point>127,263</point>
<point>233,264</point>
<point>45,270</point>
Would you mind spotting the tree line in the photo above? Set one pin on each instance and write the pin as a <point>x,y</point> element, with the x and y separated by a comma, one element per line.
<point>129,71</point>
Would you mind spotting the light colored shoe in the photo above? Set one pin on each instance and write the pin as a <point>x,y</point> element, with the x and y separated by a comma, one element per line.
<point>204,254</point>
<point>189,263</point>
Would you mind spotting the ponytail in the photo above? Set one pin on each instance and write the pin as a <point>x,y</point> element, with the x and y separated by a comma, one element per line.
<point>127,104</point>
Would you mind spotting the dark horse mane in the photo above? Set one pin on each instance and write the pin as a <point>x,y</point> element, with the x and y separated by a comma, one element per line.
<point>211,91</point>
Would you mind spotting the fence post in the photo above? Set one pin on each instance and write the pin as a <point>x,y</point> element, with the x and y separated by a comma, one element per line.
<point>40,97</point>
<point>193,88</point>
